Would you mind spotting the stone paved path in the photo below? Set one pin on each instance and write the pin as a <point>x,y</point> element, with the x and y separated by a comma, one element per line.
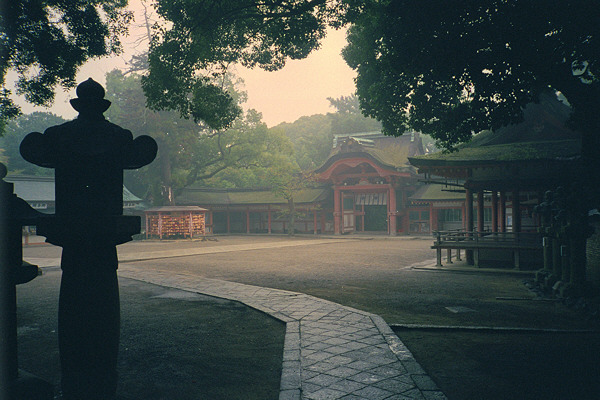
<point>330,351</point>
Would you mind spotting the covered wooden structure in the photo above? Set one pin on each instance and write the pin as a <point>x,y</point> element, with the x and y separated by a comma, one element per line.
<point>175,221</point>
<point>261,210</point>
<point>371,181</point>
<point>511,167</point>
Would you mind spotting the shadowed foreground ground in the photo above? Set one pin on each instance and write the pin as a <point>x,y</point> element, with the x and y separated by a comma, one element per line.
<point>174,344</point>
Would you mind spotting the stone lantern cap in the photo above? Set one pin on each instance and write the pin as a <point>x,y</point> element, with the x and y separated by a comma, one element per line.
<point>90,97</point>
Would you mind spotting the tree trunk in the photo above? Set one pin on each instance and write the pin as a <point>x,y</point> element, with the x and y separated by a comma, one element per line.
<point>167,197</point>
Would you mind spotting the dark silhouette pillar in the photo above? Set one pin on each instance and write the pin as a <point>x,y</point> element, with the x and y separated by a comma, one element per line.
<point>89,155</point>
<point>15,384</point>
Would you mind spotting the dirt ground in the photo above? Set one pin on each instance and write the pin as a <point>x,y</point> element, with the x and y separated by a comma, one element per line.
<point>384,276</point>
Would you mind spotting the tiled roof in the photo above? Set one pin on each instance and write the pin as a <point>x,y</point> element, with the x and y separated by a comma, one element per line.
<point>208,196</point>
<point>436,192</point>
<point>389,152</point>
<point>541,136</point>
<point>501,153</point>
<point>175,209</point>
<point>41,188</point>
<point>33,188</point>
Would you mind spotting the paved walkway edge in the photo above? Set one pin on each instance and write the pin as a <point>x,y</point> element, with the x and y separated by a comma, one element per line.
<point>330,351</point>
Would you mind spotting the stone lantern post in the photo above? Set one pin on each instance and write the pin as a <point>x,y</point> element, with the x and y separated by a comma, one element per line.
<point>89,155</point>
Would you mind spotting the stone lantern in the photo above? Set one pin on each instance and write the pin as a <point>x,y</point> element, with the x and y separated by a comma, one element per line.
<point>89,155</point>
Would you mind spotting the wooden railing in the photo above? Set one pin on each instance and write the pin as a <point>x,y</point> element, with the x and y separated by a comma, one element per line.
<point>475,241</point>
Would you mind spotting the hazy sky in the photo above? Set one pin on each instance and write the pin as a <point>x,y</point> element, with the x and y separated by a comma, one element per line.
<point>300,88</point>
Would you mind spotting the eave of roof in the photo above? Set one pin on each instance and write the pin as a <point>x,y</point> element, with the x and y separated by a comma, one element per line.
<point>550,150</point>
<point>208,196</point>
<point>435,192</point>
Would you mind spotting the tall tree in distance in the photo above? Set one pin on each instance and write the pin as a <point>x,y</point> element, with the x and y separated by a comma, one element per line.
<point>14,133</point>
<point>190,152</point>
<point>46,41</point>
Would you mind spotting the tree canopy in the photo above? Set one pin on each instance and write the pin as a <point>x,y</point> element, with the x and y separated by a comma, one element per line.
<point>190,152</point>
<point>208,36</point>
<point>46,41</point>
<point>14,133</point>
<point>312,136</point>
<point>453,69</point>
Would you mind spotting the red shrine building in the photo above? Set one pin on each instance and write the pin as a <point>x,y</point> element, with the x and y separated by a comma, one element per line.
<point>371,181</point>
<point>366,185</point>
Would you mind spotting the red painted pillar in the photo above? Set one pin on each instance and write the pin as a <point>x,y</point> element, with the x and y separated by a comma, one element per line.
<point>494,211</point>
<point>432,219</point>
<point>502,212</point>
<point>337,212</point>
<point>392,211</point>
<point>269,219</point>
<point>159,225</point>
<point>315,220</point>
<point>480,207</point>
<point>469,210</point>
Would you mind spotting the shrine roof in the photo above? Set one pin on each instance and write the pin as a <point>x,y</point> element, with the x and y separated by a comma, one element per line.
<point>41,188</point>
<point>542,136</point>
<point>175,209</point>
<point>33,188</point>
<point>210,196</point>
<point>436,192</point>
<point>503,153</point>
<point>388,152</point>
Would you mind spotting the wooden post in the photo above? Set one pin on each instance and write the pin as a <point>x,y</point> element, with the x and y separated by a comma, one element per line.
<point>228,221</point>
<point>516,211</point>
<point>480,212</point>
<point>502,213</point>
<point>362,218</point>
<point>494,211</point>
<point>269,219</point>
<point>432,221</point>
<point>392,211</point>
<point>247,220</point>
<point>315,220</point>
<point>337,212</point>
<point>160,226</point>
<point>469,227</point>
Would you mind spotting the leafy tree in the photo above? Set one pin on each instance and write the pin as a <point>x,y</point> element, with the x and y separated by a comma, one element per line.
<point>201,39</point>
<point>312,136</point>
<point>452,70</point>
<point>190,152</point>
<point>348,118</point>
<point>46,41</point>
<point>285,179</point>
<point>15,131</point>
